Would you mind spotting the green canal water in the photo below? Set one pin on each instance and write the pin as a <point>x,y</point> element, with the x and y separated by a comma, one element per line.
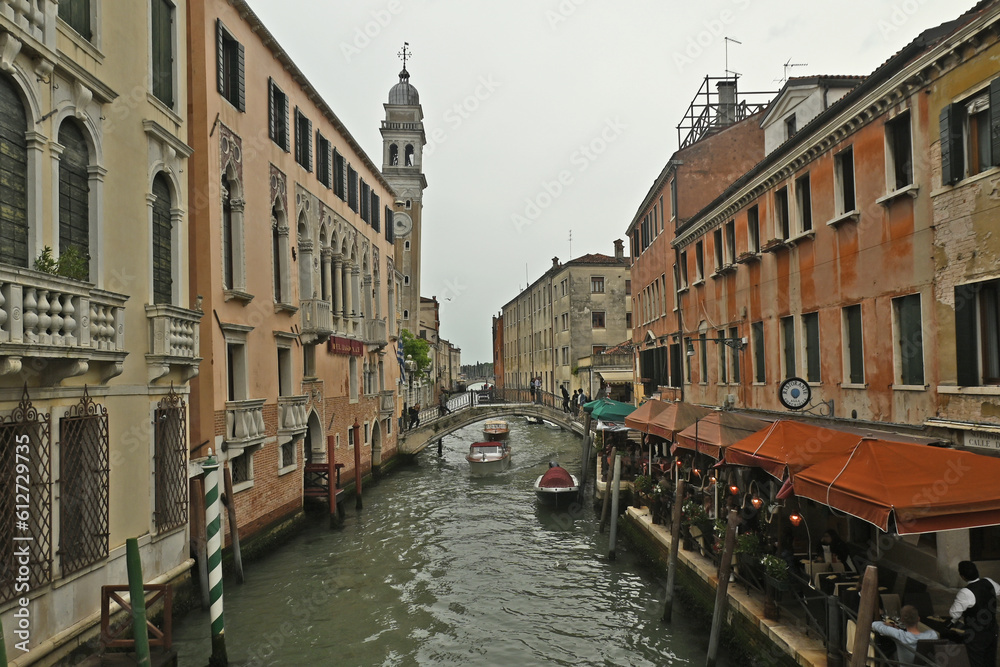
<point>441,568</point>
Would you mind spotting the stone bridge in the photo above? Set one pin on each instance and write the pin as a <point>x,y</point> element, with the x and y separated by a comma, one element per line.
<point>435,427</point>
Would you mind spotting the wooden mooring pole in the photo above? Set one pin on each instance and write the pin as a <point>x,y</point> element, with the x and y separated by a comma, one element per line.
<point>234,529</point>
<point>137,598</point>
<point>614,507</point>
<point>607,496</point>
<point>675,538</point>
<point>866,614</point>
<point>199,543</point>
<point>722,588</point>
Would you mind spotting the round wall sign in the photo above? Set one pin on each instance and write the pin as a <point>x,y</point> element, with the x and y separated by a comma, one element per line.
<point>794,393</point>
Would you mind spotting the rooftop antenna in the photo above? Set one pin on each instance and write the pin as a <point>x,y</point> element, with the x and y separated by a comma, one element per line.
<point>729,71</point>
<point>571,244</point>
<point>405,54</point>
<point>788,65</point>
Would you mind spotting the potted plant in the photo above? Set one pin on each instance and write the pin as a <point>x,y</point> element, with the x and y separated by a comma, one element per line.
<point>693,517</point>
<point>776,576</point>
<point>642,485</point>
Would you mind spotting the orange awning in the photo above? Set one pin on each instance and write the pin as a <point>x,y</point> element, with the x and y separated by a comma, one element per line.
<point>907,488</point>
<point>677,417</point>
<point>717,431</point>
<point>790,444</point>
<point>640,419</point>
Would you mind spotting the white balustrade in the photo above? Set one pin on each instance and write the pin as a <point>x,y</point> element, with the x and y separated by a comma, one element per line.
<point>36,18</point>
<point>292,414</point>
<point>244,422</point>
<point>174,331</point>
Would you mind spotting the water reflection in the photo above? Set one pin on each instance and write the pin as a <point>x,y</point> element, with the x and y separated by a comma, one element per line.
<point>444,568</point>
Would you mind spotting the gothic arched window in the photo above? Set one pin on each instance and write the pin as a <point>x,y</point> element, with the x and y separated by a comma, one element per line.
<point>393,154</point>
<point>13,176</point>
<point>74,190</point>
<point>163,280</point>
<point>409,155</point>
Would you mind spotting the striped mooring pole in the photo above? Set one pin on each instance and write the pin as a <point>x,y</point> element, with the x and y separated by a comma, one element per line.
<point>213,521</point>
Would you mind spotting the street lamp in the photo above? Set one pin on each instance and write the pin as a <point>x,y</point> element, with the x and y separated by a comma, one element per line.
<point>735,343</point>
<point>411,366</point>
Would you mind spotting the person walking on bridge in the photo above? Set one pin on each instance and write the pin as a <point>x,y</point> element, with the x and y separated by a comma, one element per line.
<point>565,398</point>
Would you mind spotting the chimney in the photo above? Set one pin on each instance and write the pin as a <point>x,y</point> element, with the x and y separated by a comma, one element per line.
<point>619,250</point>
<point>727,102</point>
<point>555,262</point>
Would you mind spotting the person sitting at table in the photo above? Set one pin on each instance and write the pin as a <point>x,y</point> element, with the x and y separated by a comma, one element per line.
<point>905,638</point>
<point>832,548</point>
<point>976,605</point>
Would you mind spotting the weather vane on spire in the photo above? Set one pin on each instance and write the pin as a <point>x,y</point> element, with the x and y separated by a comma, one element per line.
<point>405,53</point>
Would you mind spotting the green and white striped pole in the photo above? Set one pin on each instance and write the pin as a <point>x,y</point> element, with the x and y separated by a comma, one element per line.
<point>213,521</point>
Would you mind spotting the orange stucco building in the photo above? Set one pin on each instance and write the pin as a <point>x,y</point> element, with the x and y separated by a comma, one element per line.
<point>292,257</point>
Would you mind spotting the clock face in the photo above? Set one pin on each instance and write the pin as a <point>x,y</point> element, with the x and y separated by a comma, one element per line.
<point>794,393</point>
<point>401,224</point>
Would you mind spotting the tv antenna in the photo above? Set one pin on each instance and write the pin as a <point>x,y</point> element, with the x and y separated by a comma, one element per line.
<point>789,65</point>
<point>729,71</point>
<point>571,244</point>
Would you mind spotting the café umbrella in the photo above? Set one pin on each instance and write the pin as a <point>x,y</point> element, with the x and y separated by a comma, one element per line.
<point>606,409</point>
<point>645,413</point>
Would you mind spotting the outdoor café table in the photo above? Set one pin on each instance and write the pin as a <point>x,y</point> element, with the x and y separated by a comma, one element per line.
<point>828,582</point>
<point>945,629</point>
<point>850,596</point>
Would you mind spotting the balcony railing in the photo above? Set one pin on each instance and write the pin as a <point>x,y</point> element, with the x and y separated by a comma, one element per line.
<point>34,18</point>
<point>375,332</point>
<point>173,340</point>
<point>317,320</point>
<point>605,360</point>
<point>48,316</point>
<point>244,423</point>
<point>292,415</point>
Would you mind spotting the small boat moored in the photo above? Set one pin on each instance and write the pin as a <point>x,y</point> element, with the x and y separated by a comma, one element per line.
<point>557,486</point>
<point>488,457</point>
<point>495,430</point>
<point>531,419</point>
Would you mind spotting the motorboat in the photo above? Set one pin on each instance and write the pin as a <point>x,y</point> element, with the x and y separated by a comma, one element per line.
<point>488,457</point>
<point>557,486</point>
<point>495,430</point>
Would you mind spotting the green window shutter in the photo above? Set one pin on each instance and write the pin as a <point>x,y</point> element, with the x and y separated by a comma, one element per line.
<point>966,347</point>
<point>287,133</point>
<point>13,177</point>
<point>220,57</point>
<point>298,138</point>
<point>162,251</point>
<point>241,92</point>
<point>272,114</point>
<point>995,121</point>
<point>309,145</point>
<point>74,190</point>
<point>951,145</point>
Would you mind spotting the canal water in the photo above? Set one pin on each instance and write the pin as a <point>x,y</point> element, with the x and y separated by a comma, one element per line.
<point>441,568</point>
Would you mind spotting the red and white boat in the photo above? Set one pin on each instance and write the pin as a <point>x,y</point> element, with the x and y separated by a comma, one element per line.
<point>488,457</point>
<point>495,430</point>
<point>557,486</point>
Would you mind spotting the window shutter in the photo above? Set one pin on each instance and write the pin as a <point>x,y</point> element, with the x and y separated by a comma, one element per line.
<point>995,121</point>
<point>951,145</point>
<point>220,57</point>
<point>241,93</point>
<point>966,348</point>
<point>272,112</point>
<point>287,137</point>
<point>309,147</point>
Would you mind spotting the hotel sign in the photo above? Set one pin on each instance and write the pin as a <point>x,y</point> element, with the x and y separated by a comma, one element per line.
<point>982,440</point>
<point>336,345</point>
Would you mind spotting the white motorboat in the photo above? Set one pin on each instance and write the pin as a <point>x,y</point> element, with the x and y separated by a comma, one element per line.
<point>557,486</point>
<point>488,457</point>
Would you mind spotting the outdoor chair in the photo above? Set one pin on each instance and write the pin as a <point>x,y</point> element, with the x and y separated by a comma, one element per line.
<point>941,653</point>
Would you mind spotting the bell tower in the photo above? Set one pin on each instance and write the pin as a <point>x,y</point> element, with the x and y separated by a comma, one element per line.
<point>403,143</point>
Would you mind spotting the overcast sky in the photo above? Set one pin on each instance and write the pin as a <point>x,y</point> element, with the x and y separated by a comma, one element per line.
<point>546,117</point>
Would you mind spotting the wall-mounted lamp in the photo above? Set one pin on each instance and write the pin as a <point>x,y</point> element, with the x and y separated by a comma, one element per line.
<point>735,343</point>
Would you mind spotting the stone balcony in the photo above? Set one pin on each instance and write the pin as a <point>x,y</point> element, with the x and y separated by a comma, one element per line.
<point>68,324</point>
<point>375,332</point>
<point>317,320</point>
<point>173,341</point>
<point>244,424</point>
<point>32,24</point>
<point>387,403</point>
<point>292,415</point>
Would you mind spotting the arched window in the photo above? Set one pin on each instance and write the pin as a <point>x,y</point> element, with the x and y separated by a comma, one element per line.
<point>276,249</point>
<point>227,234</point>
<point>13,177</point>
<point>163,281</point>
<point>74,191</point>
<point>409,155</point>
<point>393,154</point>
